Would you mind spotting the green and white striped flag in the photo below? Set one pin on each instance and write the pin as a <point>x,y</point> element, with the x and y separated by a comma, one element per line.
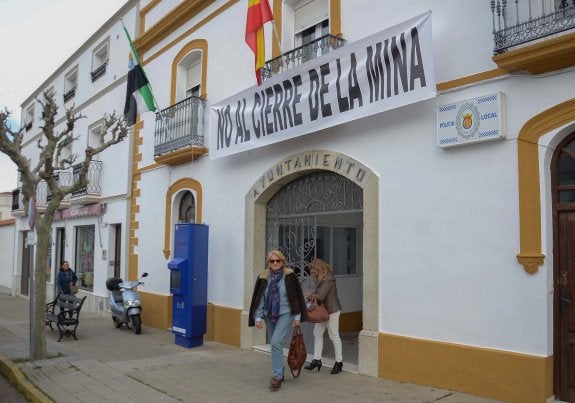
<point>139,97</point>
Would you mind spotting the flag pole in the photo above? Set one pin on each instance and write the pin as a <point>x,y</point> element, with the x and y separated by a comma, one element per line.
<point>156,104</point>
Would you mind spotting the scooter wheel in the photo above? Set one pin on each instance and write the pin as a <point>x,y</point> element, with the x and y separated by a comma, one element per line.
<point>117,322</point>
<point>137,323</point>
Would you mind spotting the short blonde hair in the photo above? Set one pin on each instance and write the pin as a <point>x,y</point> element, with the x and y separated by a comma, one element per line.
<point>278,254</point>
<point>322,266</point>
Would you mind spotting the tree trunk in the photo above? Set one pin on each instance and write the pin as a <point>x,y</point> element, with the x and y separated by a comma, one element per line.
<point>38,305</point>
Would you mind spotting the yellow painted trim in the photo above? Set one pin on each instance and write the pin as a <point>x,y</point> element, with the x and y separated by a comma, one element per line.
<point>540,57</point>
<point>474,78</point>
<point>494,374</point>
<point>278,18</point>
<point>530,254</point>
<point>224,325</point>
<point>157,310</point>
<point>182,156</point>
<point>196,44</point>
<point>185,183</point>
<point>132,269</point>
<point>335,17</point>
<point>174,20</point>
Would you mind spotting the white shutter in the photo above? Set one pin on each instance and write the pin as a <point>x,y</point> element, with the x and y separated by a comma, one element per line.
<point>309,13</point>
<point>194,75</point>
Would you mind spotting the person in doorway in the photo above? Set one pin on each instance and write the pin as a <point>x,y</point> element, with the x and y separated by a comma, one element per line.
<point>66,276</point>
<point>325,293</point>
<point>278,301</point>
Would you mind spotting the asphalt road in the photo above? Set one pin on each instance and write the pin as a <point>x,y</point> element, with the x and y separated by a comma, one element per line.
<point>9,393</point>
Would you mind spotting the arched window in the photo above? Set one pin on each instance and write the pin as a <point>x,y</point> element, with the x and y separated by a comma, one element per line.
<point>187,209</point>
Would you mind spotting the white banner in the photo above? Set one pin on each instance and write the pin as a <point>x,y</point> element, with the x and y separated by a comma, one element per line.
<point>387,70</point>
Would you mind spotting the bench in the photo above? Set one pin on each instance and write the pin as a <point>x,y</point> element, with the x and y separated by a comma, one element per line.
<point>64,311</point>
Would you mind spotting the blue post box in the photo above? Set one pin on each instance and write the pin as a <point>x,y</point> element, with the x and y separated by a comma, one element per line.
<point>189,284</point>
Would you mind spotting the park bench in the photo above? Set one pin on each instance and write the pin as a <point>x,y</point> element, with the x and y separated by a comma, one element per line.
<point>64,311</point>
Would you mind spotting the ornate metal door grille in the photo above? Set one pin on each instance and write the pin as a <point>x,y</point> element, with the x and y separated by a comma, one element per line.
<point>292,214</point>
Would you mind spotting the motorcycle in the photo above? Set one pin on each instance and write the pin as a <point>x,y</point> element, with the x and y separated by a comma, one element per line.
<point>125,302</point>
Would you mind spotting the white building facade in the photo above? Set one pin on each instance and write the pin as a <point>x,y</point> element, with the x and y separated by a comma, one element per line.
<point>89,229</point>
<point>444,206</point>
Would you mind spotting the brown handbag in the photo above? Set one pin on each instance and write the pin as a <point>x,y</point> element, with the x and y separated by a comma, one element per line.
<point>297,353</point>
<point>317,313</point>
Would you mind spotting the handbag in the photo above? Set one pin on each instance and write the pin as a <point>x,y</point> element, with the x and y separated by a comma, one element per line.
<point>317,313</point>
<point>297,353</point>
<point>73,288</point>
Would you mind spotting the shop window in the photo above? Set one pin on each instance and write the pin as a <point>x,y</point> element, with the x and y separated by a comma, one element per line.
<point>84,264</point>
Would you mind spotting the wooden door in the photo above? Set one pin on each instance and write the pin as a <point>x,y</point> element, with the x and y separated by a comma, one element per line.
<point>565,307</point>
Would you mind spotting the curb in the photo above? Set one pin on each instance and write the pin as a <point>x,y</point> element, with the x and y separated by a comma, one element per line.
<point>19,380</point>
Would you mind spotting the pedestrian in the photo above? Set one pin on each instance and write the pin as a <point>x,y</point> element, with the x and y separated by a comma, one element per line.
<point>278,301</point>
<point>66,276</point>
<point>325,293</point>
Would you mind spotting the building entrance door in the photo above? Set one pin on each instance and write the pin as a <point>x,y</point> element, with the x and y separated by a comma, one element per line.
<point>321,215</point>
<point>563,183</point>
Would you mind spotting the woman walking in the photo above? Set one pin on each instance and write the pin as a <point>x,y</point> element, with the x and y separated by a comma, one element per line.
<point>325,293</point>
<point>278,301</point>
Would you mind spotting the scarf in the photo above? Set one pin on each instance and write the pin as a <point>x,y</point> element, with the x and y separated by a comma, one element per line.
<point>273,296</point>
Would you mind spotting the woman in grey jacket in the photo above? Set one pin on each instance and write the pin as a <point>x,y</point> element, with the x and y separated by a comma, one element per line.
<point>325,293</point>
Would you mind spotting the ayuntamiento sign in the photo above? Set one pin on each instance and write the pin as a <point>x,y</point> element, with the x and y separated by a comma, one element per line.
<point>387,70</point>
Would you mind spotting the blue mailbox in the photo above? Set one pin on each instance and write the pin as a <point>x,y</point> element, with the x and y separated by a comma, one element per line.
<point>189,284</point>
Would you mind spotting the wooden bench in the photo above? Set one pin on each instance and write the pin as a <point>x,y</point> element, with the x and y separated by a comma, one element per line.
<point>64,311</point>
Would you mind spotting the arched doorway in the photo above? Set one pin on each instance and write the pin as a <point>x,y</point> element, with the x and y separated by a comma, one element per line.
<point>563,192</point>
<point>278,176</point>
<point>321,215</point>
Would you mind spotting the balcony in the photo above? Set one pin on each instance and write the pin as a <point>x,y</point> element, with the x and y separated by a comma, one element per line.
<point>18,209</point>
<point>62,179</point>
<point>300,55</point>
<point>533,35</point>
<point>180,132</point>
<point>92,192</point>
<point>68,95</point>
<point>98,72</point>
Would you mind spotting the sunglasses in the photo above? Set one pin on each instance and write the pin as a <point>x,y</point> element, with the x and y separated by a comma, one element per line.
<point>275,261</point>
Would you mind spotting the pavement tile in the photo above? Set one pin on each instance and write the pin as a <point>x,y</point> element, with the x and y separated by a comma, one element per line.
<point>107,364</point>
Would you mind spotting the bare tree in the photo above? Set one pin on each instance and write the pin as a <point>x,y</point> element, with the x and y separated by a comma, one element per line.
<point>51,161</point>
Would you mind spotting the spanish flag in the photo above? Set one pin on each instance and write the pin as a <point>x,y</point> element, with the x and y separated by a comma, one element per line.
<point>259,12</point>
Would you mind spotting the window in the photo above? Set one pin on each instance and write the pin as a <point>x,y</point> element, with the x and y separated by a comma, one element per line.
<point>29,119</point>
<point>99,60</point>
<point>338,245</point>
<point>311,22</point>
<point>96,135</point>
<point>85,255</point>
<point>190,75</point>
<point>187,209</point>
<point>70,84</point>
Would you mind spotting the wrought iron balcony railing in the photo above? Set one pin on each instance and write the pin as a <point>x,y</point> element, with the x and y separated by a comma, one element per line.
<point>529,20</point>
<point>69,94</point>
<point>93,187</point>
<point>98,72</point>
<point>181,125</point>
<point>300,55</point>
<point>62,179</point>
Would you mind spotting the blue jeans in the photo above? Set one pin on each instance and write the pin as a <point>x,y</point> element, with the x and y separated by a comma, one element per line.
<point>278,332</point>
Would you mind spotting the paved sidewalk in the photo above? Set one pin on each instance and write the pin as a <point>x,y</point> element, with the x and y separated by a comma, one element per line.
<point>106,364</point>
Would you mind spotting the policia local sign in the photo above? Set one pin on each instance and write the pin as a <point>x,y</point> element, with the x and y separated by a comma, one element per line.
<point>387,70</point>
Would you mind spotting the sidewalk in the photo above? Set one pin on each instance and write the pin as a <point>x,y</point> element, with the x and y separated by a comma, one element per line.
<point>106,364</point>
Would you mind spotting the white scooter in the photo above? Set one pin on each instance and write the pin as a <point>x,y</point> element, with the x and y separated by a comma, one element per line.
<point>125,302</point>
